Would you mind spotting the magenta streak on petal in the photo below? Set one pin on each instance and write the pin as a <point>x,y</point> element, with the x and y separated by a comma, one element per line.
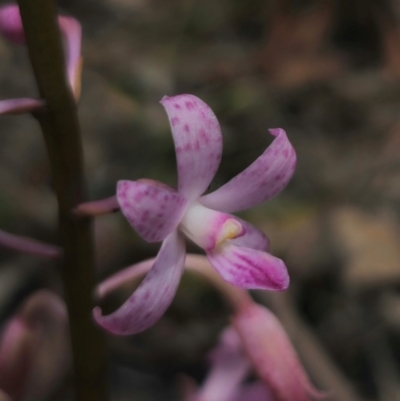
<point>20,106</point>
<point>11,24</point>
<point>28,245</point>
<point>72,32</point>
<point>253,238</point>
<point>198,142</point>
<point>249,268</point>
<point>156,292</point>
<point>262,180</point>
<point>153,209</point>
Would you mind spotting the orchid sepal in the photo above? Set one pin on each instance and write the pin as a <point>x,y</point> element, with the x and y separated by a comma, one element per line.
<point>20,106</point>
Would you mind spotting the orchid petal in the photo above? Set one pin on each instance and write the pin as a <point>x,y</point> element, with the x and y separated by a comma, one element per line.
<point>153,209</point>
<point>208,228</point>
<point>249,268</point>
<point>198,264</point>
<point>97,208</point>
<point>11,27</point>
<point>16,346</point>
<point>262,180</point>
<point>230,367</point>
<point>20,106</point>
<point>28,245</point>
<point>198,142</point>
<point>272,354</point>
<point>156,292</point>
<point>256,391</point>
<point>11,24</point>
<point>72,32</point>
<point>33,340</point>
<point>253,238</point>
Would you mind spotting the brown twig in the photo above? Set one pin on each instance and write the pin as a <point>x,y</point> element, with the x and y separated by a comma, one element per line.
<point>61,132</point>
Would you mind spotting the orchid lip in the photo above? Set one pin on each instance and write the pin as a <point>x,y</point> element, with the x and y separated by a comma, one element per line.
<point>209,228</point>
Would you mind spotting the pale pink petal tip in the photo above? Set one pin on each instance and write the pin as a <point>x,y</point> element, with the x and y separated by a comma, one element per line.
<point>28,245</point>
<point>152,298</point>
<point>153,209</point>
<point>249,268</point>
<point>262,180</point>
<point>72,32</point>
<point>275,131</point>
<point>20,106</point>
<point>97,208</point>
<point>11,24</point>
<point>229,367</point>
<point>272,354</point>
<point>198,142</point>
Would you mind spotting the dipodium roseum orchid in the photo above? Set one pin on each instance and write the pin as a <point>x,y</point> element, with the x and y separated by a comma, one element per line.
<point>11,28</point>
<point>236,249</point>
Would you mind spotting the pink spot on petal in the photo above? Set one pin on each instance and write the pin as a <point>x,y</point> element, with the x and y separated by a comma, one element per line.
<point>204,136</point>
<point>186,128</point>
<point>189,105</point>
<point>174,121</point>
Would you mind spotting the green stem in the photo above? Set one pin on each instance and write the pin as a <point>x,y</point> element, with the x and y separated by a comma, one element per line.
<point>61,132</point>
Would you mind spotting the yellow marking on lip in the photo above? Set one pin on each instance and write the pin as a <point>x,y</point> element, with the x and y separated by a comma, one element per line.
<point>230,229</point>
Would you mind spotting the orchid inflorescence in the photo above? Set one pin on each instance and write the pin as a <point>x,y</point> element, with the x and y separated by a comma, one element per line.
<point>237,251</point>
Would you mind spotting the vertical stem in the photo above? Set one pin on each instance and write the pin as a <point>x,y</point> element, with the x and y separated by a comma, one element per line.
<point>61,132</point>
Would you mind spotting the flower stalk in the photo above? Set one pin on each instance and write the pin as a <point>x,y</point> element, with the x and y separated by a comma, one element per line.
<point>61,132</point>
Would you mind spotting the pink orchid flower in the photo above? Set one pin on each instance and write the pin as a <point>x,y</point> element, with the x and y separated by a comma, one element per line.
<point>34,348</point>
<point>11,27</point>
<point>236,249</point>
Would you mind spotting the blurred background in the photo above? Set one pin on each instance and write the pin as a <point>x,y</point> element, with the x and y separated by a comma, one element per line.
<point>328,72</point>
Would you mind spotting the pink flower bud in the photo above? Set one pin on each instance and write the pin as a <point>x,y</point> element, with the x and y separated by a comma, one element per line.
<point>272,354</point>
<point>11,24</point>
<point>34,349</point>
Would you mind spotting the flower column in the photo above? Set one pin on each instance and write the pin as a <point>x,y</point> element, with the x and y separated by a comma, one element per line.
<point>61,131</point>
